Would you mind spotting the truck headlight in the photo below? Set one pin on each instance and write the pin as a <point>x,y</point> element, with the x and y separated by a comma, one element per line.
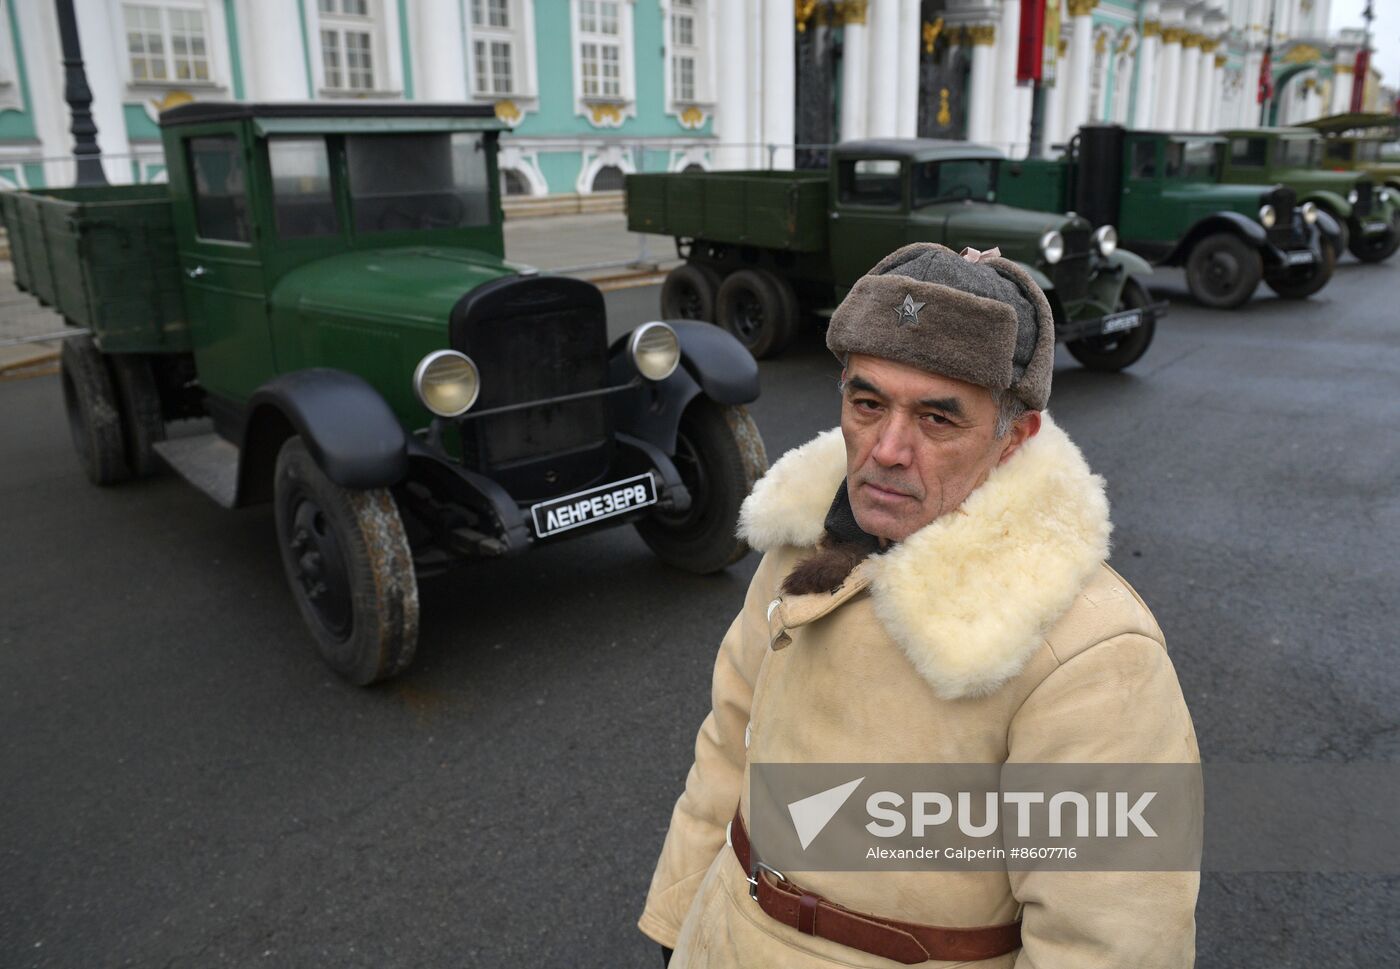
<point>1385,195</point>
<point>1309,212</point>
<point>1267,216</point>
<point>1353,196</point>
<point>1106,240</point>
<point>1052,246</point>
<point>447,383</point>
<point>655,349</point>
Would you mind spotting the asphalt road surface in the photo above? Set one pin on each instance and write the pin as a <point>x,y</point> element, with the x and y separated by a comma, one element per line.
<point>185,785</point>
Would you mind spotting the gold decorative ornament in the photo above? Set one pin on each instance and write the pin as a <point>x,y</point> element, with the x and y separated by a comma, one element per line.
<point>1209,46</point>
<point>1081,8</point>
<point>172,99</point>
<point>508,112</point>
<point>692,117</point>
<point>603,113</point>
<point>1151,28</point>
<point>1062,48</point>
<point>1302,54</point>
<point>1190,40</point>
<point>802,11</point>
<point>931,32</point>
<point>852,11</point>
<point>1220,60</point>
<point>1342,68</point>
<point>1172,35</point>
<point>1101,44</point>
<point>945,116</point>
<point>1125,43</point>
<point>955,36</point>
<point>983,35</point>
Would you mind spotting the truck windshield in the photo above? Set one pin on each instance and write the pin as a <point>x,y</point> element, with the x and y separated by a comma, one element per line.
<point>301,188</point>
<point>870,181</point>
<point>1369,151</point>
<point>964,178</point>
<point>1195,159</point>
<point>418,181</point>
<point>1297,153</point>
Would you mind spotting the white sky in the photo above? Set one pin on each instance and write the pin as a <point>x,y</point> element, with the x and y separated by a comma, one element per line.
<point>1385,32</point>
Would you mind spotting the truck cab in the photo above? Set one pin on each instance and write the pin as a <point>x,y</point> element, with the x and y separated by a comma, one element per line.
<point>1295,157</point>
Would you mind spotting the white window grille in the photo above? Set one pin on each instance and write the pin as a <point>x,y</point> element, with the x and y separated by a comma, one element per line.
<point>600,49</point>
<point>166,43</point>
<point>491,13</point>
<point>494,48</point>
<point>348,29</point>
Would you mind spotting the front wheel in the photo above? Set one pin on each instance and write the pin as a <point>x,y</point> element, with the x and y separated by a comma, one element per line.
<point>1375,248</point>
<point>1112,352</point>
<point>1302,283</point>
<point>719,455</point>
<point>348,562</point>
<point>1223,271</point>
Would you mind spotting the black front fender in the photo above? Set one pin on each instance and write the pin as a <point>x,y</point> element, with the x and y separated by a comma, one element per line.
<point>348,428</point>
<point>1242,225</point>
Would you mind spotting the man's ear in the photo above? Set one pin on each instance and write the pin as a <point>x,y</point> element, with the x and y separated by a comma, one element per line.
<point>1026,427</point>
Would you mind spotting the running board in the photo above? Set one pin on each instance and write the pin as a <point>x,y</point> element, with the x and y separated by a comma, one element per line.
<point>206,461</point>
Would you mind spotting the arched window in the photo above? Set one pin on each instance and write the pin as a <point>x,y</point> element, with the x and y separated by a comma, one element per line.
<point>693,167</point>
<point>514,183</point>
<point>608,179</point>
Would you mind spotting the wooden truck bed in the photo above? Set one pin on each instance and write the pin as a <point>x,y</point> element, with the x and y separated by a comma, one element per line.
<point>767,209</point>
<point>104,258</point>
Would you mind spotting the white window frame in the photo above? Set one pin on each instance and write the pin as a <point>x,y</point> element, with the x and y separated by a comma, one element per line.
<point>386,59</point>
<point>485,35</point>
<point>10,93</point>
<point>521,36</point>
<point>624,102</point>
<point>702,14</point>
<point>215,45</point>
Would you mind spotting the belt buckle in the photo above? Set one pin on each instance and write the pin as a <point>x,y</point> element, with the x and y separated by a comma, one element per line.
<point>753,878</point>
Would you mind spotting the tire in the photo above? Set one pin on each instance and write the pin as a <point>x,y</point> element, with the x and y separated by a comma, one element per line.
<point>1115,351</point>
<point>1375,248</point>
<point>689,293</point>
<point>94,414</point>
<point>1300,286</point>
<point>348,563</point>
<point>720,455</point>
<point>751,308</point>
<point>1223,271</point>
<point>143,422</point>
<point>791,313</point>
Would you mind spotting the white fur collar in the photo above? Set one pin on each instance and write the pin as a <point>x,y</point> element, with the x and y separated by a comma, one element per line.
<point>969,596</point>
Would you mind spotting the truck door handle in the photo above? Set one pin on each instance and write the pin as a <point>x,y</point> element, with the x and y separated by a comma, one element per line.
<point>196,272</point>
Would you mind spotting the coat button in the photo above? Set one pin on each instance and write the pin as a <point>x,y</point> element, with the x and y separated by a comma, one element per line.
<point>773,606</point>
<point>748,735</point>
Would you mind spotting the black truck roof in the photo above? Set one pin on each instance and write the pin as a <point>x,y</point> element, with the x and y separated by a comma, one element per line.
<point>200,111</point>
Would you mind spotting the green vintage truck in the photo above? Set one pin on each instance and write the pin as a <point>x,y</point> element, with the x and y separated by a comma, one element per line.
<point>1369,220</point>
<point>1363,142</point>
<point>325,285</point>
<point>1162,191</point>
<point>763,249</point>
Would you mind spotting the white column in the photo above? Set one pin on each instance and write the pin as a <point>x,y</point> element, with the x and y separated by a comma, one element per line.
<point>854,73</point>
<point>1148,48</point>
<point>910,44</point>
<point>439,63</point>
<point>1005,108</point>
<point>50,113</point>
<point>101,43</point>
<point>1341,83</point>
<point>1205,89</point>
<point>779,80</point>
<point>731,88</point>
<point>982,97</point>
<point>1054,120</point>
<point>1168,77</point>
<point>274,62</point>
<point>1190,72</point>
<point>883,69</point>
<point>1081,63</point>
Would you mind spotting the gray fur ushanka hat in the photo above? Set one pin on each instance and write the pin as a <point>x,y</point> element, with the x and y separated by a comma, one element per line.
<point>971,316</point>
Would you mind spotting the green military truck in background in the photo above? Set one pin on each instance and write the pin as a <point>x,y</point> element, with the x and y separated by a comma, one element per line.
<point>1369,221</point>
<point>763,249</point>
<point>1367,143</point>
<point>1162,192</point>
<point>326,283</point>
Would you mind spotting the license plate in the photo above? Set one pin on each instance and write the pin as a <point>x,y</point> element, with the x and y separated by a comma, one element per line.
<point>1126,320</point>
<point>1376,226</point>
<point>585,507</point>
<point>1303,257</point>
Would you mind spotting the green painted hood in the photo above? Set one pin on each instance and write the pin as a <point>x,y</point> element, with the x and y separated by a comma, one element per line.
<point>409,285</point>
<point>1015,231</point>
<point>1199,199</point>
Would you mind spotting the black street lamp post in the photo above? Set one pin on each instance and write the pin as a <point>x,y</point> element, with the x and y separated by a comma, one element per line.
<point>79,97</point>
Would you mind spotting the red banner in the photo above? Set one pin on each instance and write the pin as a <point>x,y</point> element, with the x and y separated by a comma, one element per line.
<point>1031,49</point>
<point>1266,76</point>
<point>1358,78</point>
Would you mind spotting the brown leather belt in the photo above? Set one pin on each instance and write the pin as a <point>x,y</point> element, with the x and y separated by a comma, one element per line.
<point>906,942</point>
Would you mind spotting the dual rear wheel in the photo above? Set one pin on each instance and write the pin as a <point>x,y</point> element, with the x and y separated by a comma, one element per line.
<point>759,307</point>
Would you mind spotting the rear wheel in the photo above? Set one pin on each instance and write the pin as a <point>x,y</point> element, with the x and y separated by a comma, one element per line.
<point>1223,270</point>
<point>143,423</point>
<point>347,559</point>
<point>752,307</point>
<point>1300,283</point>
<point>1114,351</point>
<point>719,455</point>
<point>94,414</point>
<point>689,293</point>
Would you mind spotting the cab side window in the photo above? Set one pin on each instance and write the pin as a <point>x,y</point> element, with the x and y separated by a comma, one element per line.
<point>870,181</point>
<point>1249,152</point>
<point>1144,163</point>
<point>301,188</point>
<point>219,183</point>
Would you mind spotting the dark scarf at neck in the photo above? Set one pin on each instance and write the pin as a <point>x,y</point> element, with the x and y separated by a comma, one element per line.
<point>842,548</point>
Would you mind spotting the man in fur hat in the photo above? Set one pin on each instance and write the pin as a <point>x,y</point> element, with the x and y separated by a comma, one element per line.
<point>933,590</point>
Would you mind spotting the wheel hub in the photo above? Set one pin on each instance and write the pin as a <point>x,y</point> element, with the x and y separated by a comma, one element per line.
<point>319,567</point>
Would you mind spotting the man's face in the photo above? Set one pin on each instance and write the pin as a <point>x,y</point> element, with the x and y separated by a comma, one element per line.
<point>917,443</point>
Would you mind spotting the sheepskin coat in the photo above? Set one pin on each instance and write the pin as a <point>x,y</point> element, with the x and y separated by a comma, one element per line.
<point>996,633</point>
